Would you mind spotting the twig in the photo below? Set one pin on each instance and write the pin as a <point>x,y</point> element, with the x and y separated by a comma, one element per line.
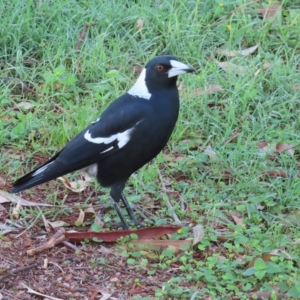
<point>83,34</point>
<point>171,208</point>
<point>233,135</point>
<point>57,238</point>
<point>17,270</point>
<point>70,246</point>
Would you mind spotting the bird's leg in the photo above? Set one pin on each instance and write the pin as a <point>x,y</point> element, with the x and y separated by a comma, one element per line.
<point>118,210</point>
<point>115,194</point>
<point>130,212</point>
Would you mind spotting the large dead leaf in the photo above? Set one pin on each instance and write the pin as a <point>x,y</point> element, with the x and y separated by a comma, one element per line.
<point>198,234</point>
<point>7,198</point>
<point>232,68</point>
<point>140,24</point>
<point>232,53</point>
<point>209,89</point>
<point>113,236</point>
<point>269,12</point>
<point>282,147</point>
<point>76,186</point>
<point>25,105</point>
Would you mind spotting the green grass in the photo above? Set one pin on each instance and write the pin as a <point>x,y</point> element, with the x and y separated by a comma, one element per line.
<point>37,49</point>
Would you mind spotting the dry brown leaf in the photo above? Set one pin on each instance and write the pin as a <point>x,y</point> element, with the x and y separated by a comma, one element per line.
<point>16,211</point>
<point>236,219</point>
<point>2,181</point>
<point>46,224</point>
<point>180,86</point>
<point>78,185</point>
<point>262,145</point>
<point>6,198</point>
<point>198,234</point>
<point>296,87</point>
<point>210,152</point>
<point>90,212</point>
<point>232,68</point>
<point>232,53</point>
<point>140,24</point>
<point>25,105</point>
<point>113,236</point>
<point>282,147</point>
<point>209,89</point>
<point>269,12</point>
<point>275,173</point>
<point>57,224</point>
<point>80,218</point>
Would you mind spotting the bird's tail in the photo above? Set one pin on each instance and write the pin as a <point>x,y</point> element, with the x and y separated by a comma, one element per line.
<point>40,175</point>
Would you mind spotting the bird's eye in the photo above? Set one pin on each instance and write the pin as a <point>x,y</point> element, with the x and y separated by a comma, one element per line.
<point>160,68</point>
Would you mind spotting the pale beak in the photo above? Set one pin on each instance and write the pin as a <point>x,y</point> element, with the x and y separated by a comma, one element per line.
<point>179,68</point>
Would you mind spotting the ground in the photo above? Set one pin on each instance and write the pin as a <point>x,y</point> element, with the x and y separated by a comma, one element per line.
<point>229,175</point>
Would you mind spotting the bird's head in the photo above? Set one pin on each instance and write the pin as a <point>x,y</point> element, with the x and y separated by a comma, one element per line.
<point>160,73</point>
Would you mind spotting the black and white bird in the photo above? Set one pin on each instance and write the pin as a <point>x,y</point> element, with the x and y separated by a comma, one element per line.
<point>130,132</point>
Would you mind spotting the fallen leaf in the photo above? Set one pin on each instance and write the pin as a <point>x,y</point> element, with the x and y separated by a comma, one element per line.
<point>262,145</point>
<point>113,236</point>
<point>275,173</point>
<point>80,218</point>
<point>198,234</point>
<point>16,211</point>
<point>140,24</point>
<point>282,147</point>
<point>25,105</point>
<point>180,86</point>
<point>78,185</point>
<point>57,224</point>
<point>209,89</point>
<point>6,197</point>
<point>2,181</point>
<point>236,219</point>
<point>210,152</point>
<point>232,68</point>
<point>269,12</point>
<point>232,53</point>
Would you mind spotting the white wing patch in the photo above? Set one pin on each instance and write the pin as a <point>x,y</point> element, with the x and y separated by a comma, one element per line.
<point>42,169</point>
<point>140,89</point>
<point>122,137</point>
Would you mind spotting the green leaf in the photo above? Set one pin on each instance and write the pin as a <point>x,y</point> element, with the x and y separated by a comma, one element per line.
<point>96,227</point>
<point>294,292</point>
<point>260,264</point>
<point>260,274</point>
<point>249,272</point>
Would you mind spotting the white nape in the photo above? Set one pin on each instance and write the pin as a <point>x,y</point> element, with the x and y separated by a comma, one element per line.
<point>42,169</point>
<point>122,137</point>
<point>140,89</point>
<point>177,68</point>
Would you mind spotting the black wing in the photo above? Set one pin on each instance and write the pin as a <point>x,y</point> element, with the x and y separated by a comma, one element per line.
<point>107,135</point>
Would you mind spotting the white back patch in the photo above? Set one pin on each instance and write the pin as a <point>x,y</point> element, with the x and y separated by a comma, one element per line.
<point>122,137</point>
<point>140,89</point>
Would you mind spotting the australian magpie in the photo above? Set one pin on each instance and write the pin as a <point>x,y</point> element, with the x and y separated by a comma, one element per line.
<point>130,132</point>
